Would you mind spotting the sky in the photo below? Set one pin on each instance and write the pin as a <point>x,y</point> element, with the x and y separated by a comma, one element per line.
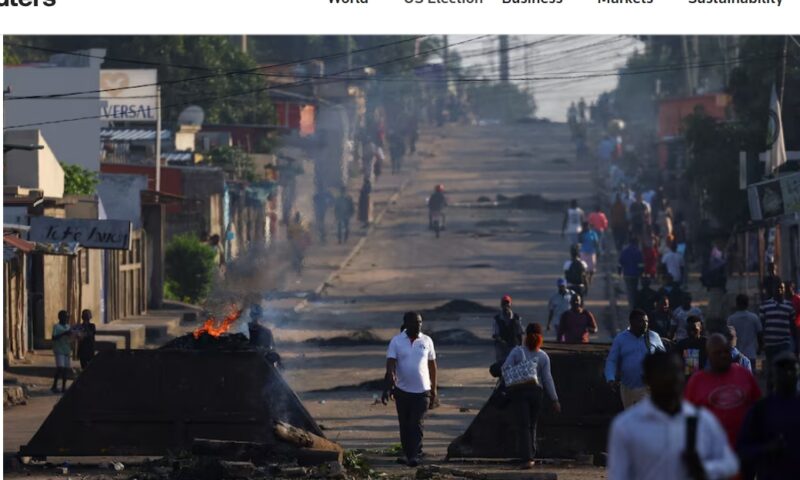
<point>533,57</point>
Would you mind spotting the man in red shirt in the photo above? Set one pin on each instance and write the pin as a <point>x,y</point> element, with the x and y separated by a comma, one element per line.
<point>599,221</point>
<point>794,297</point>
<point>576,323</point>
<point>727,389</point>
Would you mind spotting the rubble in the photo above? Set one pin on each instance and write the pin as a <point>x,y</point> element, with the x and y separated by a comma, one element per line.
<point>459,306</point>
<point>456,336</point>
<point>358,337</point>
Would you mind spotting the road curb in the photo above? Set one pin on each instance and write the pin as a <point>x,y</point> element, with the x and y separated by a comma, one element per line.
<point>356,248</point>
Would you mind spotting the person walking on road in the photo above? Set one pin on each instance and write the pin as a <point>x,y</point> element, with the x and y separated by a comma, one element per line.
<point>526,399</point>
<point>300,240</point>
<point>749,331</point>
<point>590,245</point>
<point>576,271</point>
<point>680,317</point>
<point>770,436</point>
<point>639,214</point>
<point>411,381</point>
<point>624,361</point>
<point>631,263</point>
<point>736,355</point>
<point>507,330</point>
<point>558,304</point>
<point>576,323</point>
<point>436,206</point>
<point>343,210</point>
<point>665,437</point>
<point>598,220</point>
<point>674,264</point>
<point>573,223</point>
<point>86,339</point>
<point>62,350</point>
<point>777,318</point>
<point>727,389</point>
<point>619,222</point>
<point>322,202</point>
<point>647,298</point>
<point>661,319</point>
<point>692,349</point>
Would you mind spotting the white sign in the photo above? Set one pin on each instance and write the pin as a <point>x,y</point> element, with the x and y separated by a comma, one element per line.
<point>122,100</point>
<point>102,234</point>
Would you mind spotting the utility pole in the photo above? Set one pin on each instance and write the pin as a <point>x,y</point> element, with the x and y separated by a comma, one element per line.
<point>504,74</point>
<point>782,77</point>
<point>158,138</point>
<point>244,44</point>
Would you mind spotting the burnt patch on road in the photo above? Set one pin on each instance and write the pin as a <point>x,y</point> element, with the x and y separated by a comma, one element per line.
<point>376,385</point>
<point>453,309</point>
<point>456,336</point>
<point>356,338</point>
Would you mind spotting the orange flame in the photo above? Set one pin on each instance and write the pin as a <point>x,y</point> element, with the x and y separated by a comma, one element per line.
<point>211,327</point>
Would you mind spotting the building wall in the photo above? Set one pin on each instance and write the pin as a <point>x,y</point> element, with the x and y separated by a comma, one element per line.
<point>76,142</point>
<point>37,169</point>
<point>15,308</point>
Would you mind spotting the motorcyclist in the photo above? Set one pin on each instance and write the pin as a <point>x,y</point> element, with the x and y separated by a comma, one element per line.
<point>436,205</point>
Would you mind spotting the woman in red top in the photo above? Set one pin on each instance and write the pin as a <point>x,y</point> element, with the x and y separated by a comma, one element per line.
<point>650,257</point>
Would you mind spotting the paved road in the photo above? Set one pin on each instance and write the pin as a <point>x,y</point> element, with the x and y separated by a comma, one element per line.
<point>484,254</point>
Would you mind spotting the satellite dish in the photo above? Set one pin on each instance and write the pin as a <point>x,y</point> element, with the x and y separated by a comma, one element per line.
<point>192,115</point>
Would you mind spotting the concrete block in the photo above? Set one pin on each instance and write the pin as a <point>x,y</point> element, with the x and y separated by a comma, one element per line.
<point>134,333</point>
<point>104,343</point>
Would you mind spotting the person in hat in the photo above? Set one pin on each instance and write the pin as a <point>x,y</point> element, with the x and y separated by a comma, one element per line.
<point>507,330</point>
<point>558,304</point>
<point>770,436</point>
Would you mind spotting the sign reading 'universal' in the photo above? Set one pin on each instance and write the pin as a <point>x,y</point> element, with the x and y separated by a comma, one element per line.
<point>102,234</point>
<point>128,95</point>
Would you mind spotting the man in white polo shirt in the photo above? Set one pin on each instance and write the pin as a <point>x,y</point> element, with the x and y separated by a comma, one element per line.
<point>411,381</point>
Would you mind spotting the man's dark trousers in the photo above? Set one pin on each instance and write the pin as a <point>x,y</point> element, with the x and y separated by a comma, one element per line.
<point>411,408</point>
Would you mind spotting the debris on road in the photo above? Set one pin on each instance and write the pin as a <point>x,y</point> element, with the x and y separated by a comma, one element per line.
<point>358,337</point>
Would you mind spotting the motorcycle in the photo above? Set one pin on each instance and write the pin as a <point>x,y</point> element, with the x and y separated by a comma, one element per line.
<point>437,222</point>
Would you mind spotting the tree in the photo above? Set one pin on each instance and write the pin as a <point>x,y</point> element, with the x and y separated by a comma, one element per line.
<point>225,98</point>
<point>499,101</point>
<point>189,268</point>
<point>78,180</point>
<point>236,164</point>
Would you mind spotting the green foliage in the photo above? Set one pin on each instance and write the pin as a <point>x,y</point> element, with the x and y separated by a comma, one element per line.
<point>78,180</point>
<point>499,101</point>
<point>189,268</point>
<point>237,98</point>
<point>713,166</point>
<point>356,464</point>
<point>236,164</point>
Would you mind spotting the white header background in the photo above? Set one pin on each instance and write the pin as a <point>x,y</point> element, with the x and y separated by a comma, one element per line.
<point>265,17</point>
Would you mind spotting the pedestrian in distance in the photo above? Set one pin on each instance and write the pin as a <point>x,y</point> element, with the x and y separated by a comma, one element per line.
<point>62,351</point>
<point>322,202</point>
<point>598,220</point>
<point>647,297</point>
<point>343,210</point>
<point>411,381</point>
<point>736,355</point>
<point>86,339</point>
<point>558,304</point>
<point>674,264</point>
<point>794,297</point>
<point>670,289</point>
<point>639,214</point>
<point>680,316</point>
<point>777,317</point>
<point>770,436</point>
<point>665,437</point>
<point>300,241</point>
<point>576,323</point>
<point>770,281</point>
<point>526,398</point>
<point>576,272</point>
<point>619,223</point>
<point>692,349</point>
<point>590,245</point>
<point>573,223</point>
<point>650,256</point>
<point>725,388</point>
<point>631,263</point>
<point>507,330</point>
<point>749,331</point>
<point>624,361</point>
<point>437,203</point>
<point>661,319</point>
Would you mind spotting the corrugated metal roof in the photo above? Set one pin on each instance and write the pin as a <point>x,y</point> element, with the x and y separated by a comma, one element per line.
<point>178,156</point>
<point>132,135</point>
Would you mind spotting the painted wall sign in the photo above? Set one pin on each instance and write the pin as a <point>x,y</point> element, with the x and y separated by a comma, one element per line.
<point>121,102</point>
<point>100,234</point>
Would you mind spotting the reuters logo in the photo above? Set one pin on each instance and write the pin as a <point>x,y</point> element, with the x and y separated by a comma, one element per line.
<point>27,3</point>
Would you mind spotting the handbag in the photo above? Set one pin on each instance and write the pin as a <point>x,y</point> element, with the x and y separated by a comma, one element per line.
<point>522,373</point>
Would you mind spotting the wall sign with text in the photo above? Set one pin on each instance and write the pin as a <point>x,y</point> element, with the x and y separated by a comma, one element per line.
<point>101,234</point>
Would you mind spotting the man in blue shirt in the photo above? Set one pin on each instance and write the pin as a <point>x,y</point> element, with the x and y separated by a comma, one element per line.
<point>631,265</point>
<point>628,351</point>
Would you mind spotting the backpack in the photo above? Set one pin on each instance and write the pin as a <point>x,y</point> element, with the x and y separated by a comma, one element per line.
<point>576,274</point>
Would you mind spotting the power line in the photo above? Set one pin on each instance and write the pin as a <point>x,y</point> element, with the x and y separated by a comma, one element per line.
<point>301,83</point>
<point>253,71</point>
